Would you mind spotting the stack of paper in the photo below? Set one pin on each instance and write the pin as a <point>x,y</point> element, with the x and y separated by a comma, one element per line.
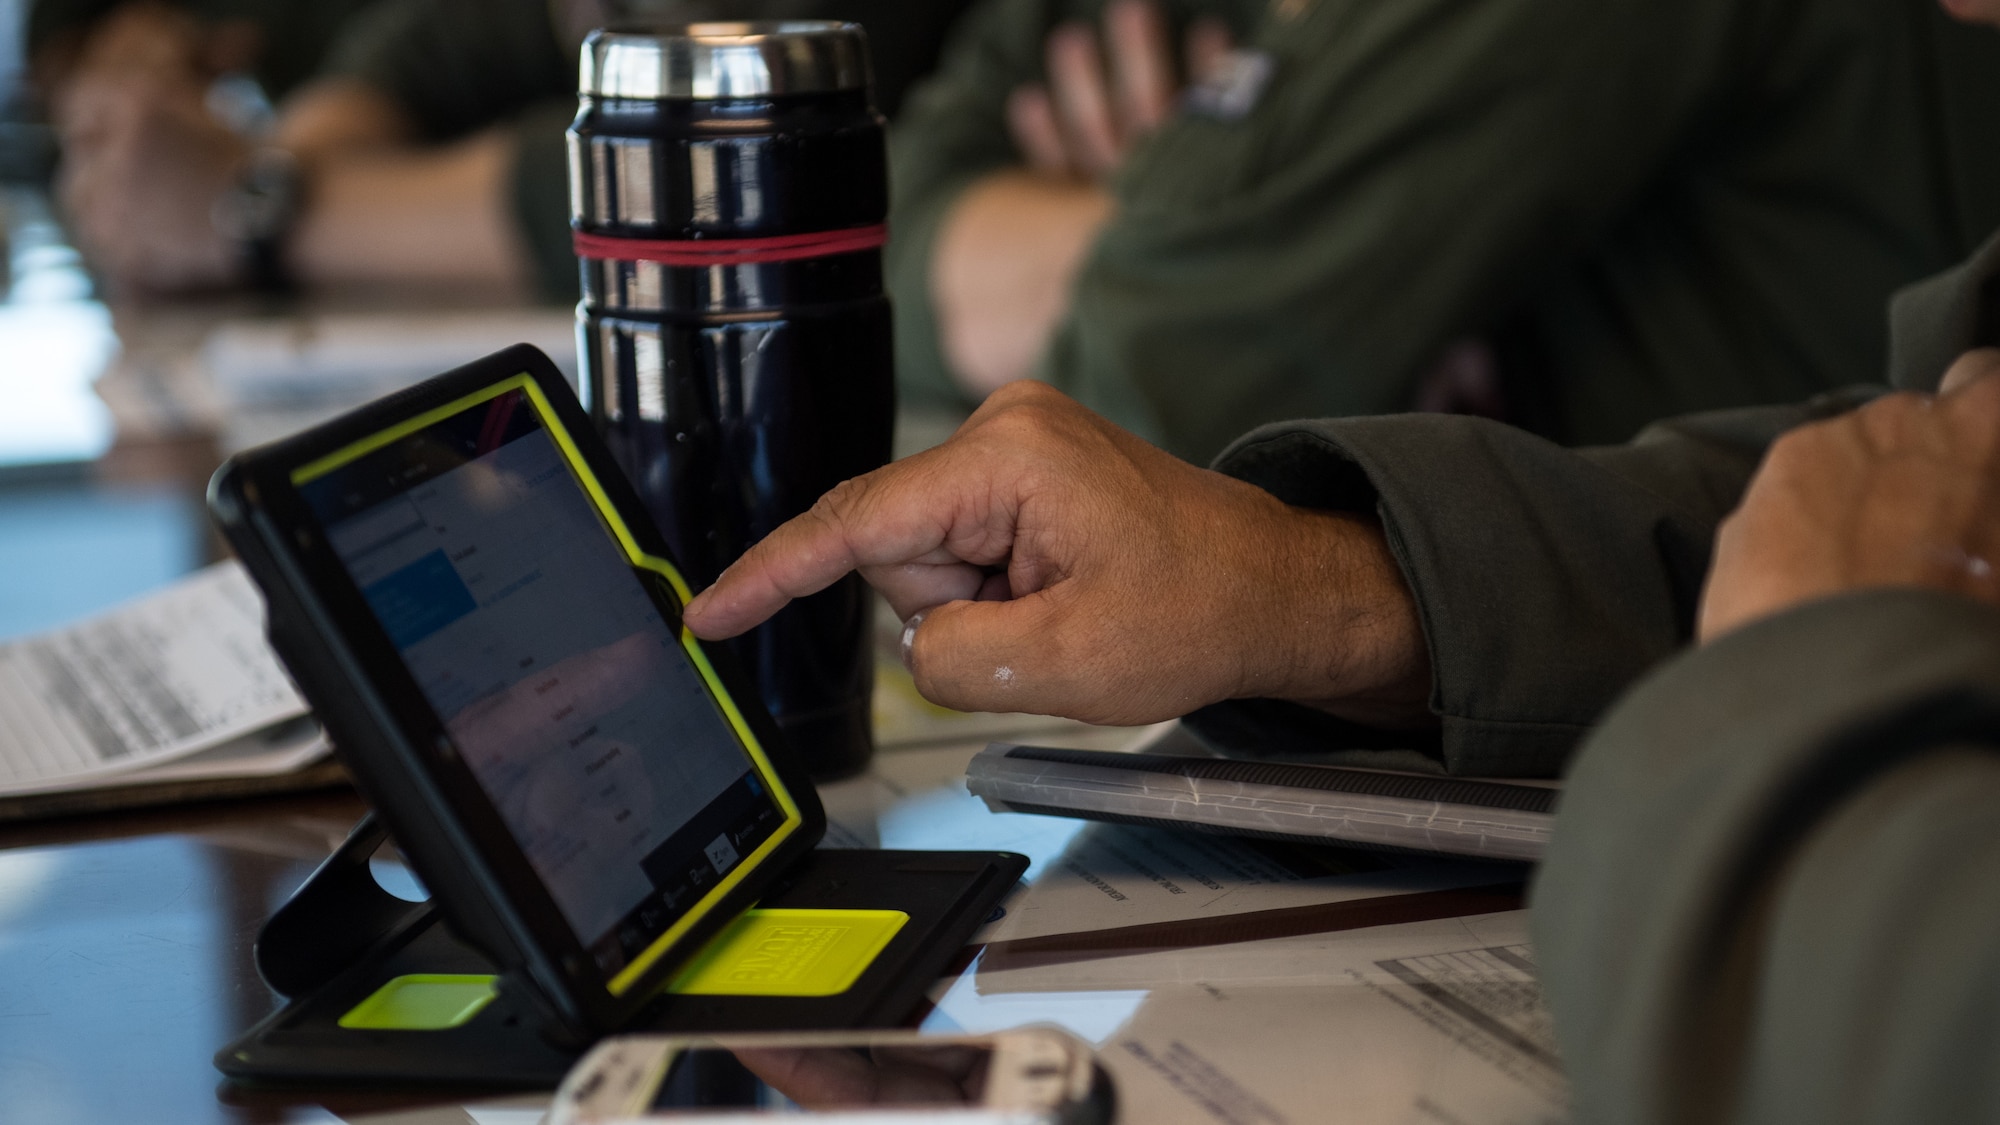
<point>176,687</point>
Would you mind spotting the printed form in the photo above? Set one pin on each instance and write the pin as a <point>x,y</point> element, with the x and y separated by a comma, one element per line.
<point>154,681</point>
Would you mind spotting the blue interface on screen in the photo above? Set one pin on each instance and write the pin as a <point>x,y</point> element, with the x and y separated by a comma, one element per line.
<point>564,689</point>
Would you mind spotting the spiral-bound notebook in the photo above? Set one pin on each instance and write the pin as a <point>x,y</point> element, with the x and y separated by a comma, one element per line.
<point>1406,812</point>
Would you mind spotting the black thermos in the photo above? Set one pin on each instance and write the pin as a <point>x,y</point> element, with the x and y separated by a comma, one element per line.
<point>728,188</point>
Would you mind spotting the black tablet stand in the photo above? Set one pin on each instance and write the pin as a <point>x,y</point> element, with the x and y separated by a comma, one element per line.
<point>341,936</point>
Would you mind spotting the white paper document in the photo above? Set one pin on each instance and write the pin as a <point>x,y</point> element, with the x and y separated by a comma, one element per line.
<point>1458,1037</point>
<point>1232,981</point>
<point>1114,876</point>
<point>179,673</point>
<point>1427,1023</point>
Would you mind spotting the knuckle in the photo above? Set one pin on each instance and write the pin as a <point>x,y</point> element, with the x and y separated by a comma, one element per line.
<point>1029,419</point>
<point>976,656</point>
<point>940,679</point>
<point>1978,391</point>
<point>1799,444</point>
<point>1025,393</point>
<point>1033,404</point>
<point>1730,528</point>
<point>1894,409</point>
<point>1971,371</point>
<point>1019,428</point>
<point>841,502</point>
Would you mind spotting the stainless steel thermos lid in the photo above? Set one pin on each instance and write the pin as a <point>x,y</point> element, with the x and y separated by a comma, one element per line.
<point>726,60</point>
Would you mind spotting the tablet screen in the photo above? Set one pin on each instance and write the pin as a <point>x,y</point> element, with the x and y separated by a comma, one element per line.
<point>573,701</point>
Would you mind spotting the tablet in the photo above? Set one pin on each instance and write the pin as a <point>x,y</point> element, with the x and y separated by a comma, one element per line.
<point>488,624</point>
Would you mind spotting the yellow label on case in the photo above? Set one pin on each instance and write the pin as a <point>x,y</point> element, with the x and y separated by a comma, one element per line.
<point>422,1002</point>
<point>785,952</point>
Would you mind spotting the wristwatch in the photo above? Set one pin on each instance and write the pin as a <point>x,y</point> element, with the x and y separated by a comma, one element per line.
<point>258,212</point>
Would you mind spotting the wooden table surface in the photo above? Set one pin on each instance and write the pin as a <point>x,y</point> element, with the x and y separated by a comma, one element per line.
<point>125,960</point>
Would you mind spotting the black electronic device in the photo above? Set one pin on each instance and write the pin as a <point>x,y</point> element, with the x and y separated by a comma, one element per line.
<point>478,608</point>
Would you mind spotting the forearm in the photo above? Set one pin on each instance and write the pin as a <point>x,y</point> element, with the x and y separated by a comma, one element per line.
<point>1545,580</point>
<point>430,216</point>
<point>340,115</point>
<point>1335,624</point>
<point>1001,270</point>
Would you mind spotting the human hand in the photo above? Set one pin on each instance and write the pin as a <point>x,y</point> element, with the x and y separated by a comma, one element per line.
<point>832,1078</point>
<point>1083,121</point>
<point>138,39</point>
<point>143,165</point>
<point>143,161</point>
<point>1904,492</point>
<point>1974,11</point>
<point>1063,566</point>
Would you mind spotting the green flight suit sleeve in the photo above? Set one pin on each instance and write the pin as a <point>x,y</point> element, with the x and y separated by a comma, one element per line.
<point>1546,579</point>
<point>1770,893</point>
<point>1936,320</point>
<point>1410,171</point>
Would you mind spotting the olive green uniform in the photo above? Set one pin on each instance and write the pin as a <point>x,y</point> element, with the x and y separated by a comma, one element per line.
<point>1646,208</point>
<point>457,66</point>
<point>1773,893</point>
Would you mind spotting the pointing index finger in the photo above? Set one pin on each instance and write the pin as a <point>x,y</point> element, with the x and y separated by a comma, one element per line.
<point>803,556</point>
<point>904,513</point>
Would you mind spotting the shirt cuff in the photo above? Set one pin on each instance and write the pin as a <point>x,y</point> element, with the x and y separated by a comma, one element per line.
<point>1544,583</point>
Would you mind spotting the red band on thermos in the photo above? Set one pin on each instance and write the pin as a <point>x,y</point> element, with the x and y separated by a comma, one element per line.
<point>730,251</point>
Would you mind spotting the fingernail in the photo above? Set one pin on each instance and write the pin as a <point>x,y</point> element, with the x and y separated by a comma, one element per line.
<point>909,640</point>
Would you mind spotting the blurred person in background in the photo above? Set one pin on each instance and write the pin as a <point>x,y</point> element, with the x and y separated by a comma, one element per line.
<point>425,146</point>
<point>1580,215</point>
